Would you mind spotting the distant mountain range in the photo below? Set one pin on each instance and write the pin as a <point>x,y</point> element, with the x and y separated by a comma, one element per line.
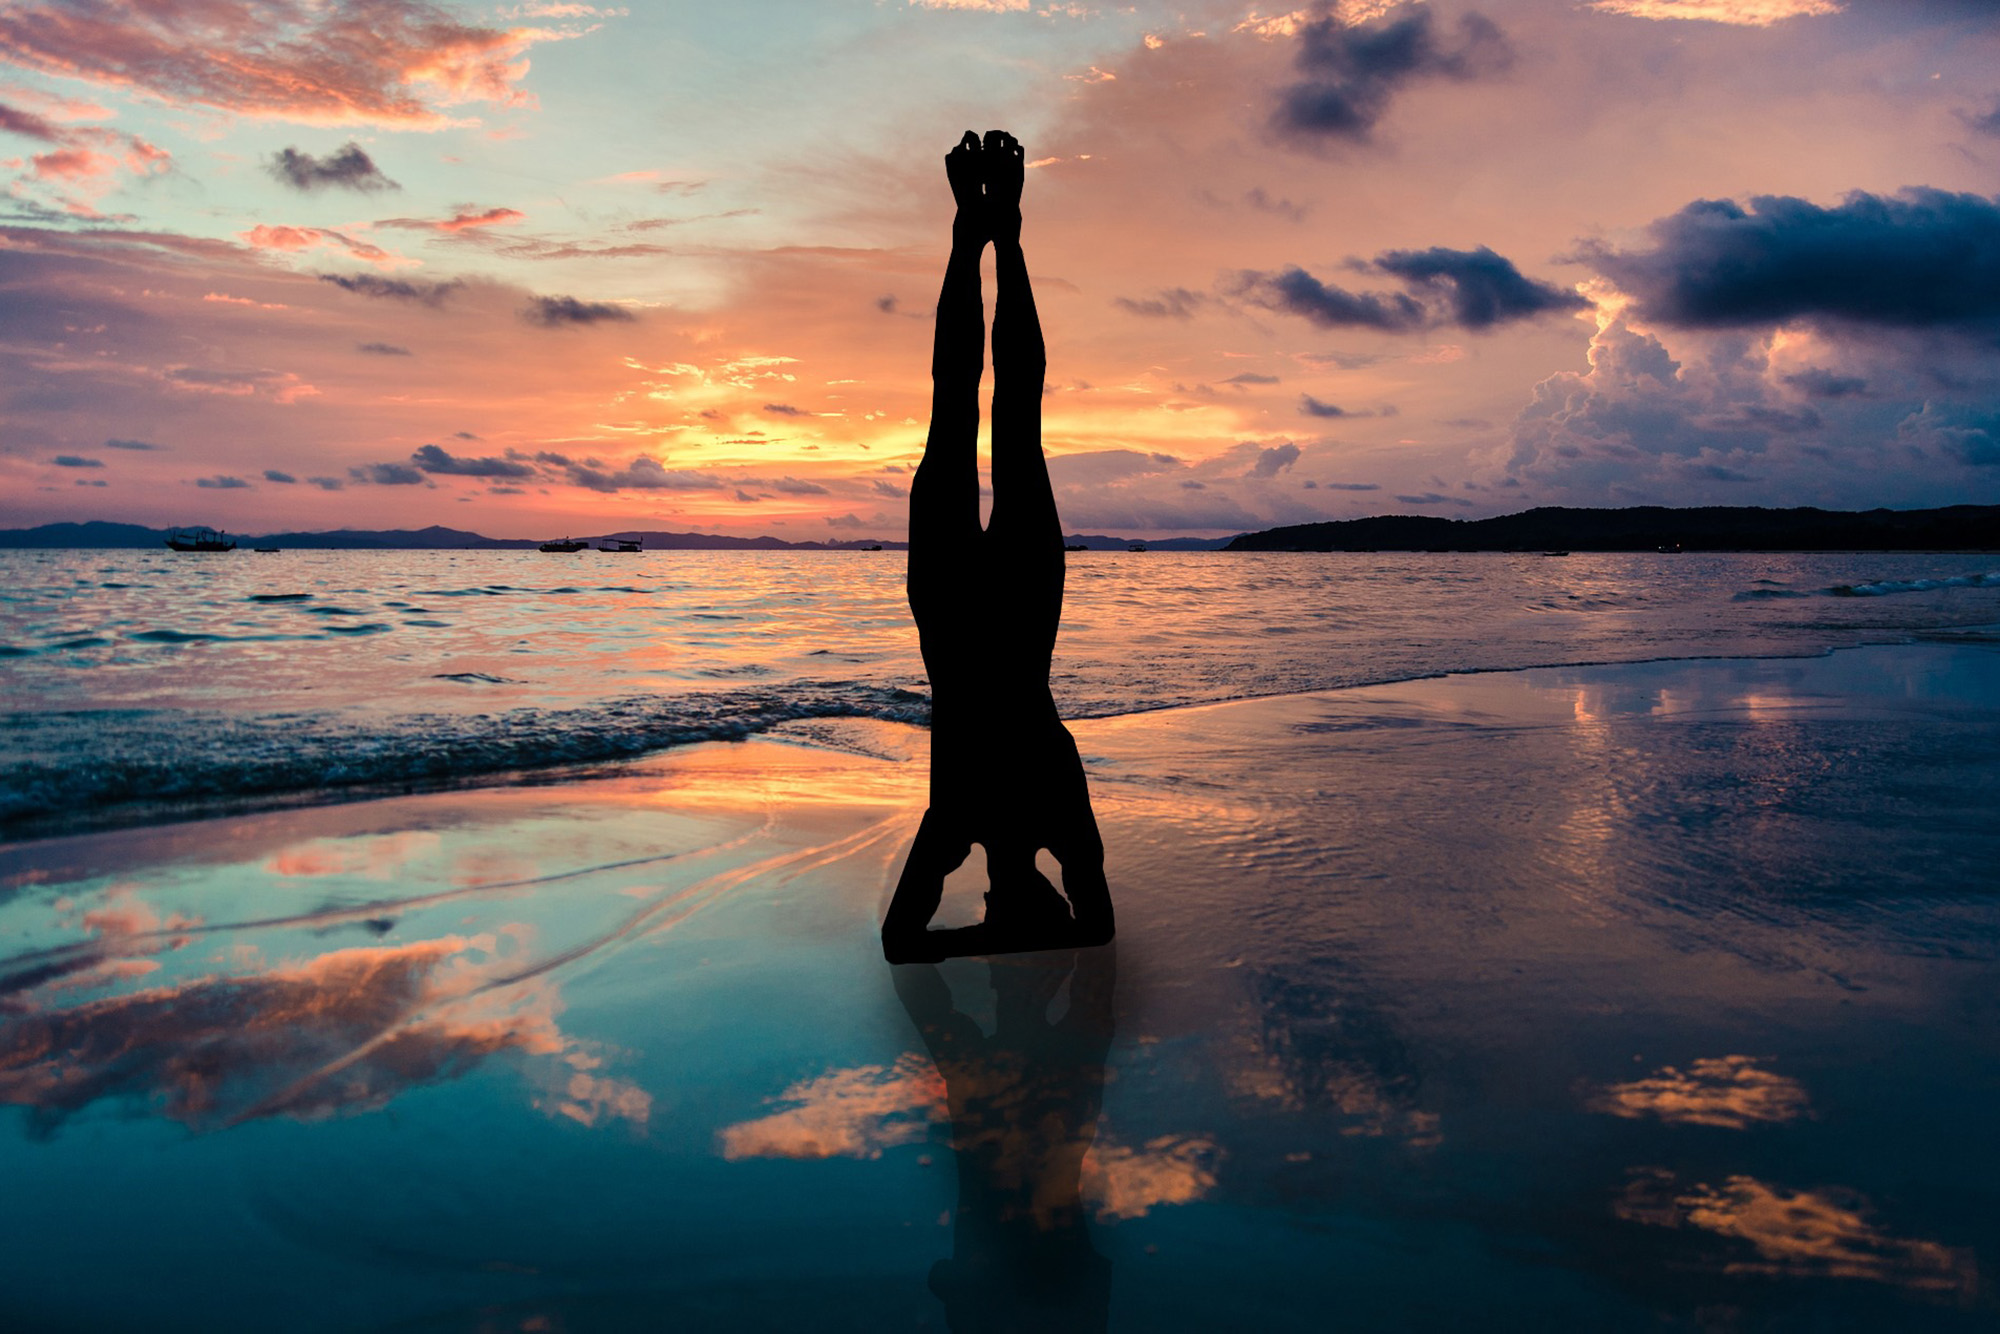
<point>434,538</point>
<point>1640,528</point>
<point>1650,528</point>
<point>97,534</point>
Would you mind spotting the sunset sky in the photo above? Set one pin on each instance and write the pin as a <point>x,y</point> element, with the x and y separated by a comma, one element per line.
<point>542,268</point>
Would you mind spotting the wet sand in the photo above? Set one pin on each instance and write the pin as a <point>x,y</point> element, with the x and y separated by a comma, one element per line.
<point>1650,995</point>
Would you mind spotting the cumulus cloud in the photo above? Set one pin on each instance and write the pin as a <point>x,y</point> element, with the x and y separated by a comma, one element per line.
<point>132,444</point>
<point>1312,407</point>
<point>221,482</point>
<point>348,168</point>
<point>382,349</point>
<point>281,478</point>
<point>13,120</point>
<point>435,459</point>
<point>1349,73</point>
<point>1924,259</point>
<point>347,62</point>
<point>75,461</point>
<point>1250,378</point>
<point>566,312</point>
<point>400,289</point>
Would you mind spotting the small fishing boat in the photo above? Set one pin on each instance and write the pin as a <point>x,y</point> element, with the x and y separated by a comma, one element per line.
<point>567,544</point>
<point>200,538</point>
<point>265,551</point>
<point>619,544</point>
<point>1136,546</point>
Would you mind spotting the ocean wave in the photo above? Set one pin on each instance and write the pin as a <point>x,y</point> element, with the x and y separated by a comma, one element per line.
<point>70,770</point>
<point>1884,587</point>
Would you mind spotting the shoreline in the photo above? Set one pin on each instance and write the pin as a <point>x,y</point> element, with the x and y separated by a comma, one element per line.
<point>618,758</point>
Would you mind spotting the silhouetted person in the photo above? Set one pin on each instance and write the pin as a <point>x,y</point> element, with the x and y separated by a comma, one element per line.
<point>1024,1107</point>
<point>1004,770</point>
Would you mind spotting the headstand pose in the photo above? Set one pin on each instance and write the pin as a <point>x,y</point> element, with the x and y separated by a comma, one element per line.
<point>1004,770</point>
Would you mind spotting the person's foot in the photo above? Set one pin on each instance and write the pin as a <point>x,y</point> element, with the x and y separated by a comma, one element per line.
<point>1005,168</point>
<point>963,168</point>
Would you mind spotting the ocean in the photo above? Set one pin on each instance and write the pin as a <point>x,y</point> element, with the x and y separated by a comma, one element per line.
<point>137,686</point>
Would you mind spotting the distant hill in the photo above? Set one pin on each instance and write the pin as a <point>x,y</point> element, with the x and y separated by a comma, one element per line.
<point>1650,528</point>
<point>98,535</point>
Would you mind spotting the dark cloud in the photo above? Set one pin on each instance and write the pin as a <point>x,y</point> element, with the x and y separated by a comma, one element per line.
<point>435,459</point>
<point>1473,289</point>
<point>795,486</point>
<point>383,349</point>
<point>75,461</point>
<point>327,483</point>
<point>1174,304</point>
<point>886,304</point>
<point>844,521</point>
<point>1989,123</point>
<point>563,312</point>
<point>221,483</point>
<point>1251,377</point>
<point>1272,461</point>
<point>281,478</point>
<point>786,410</point>
<point>1297,292</point>
<point>641,474</point>
<point>93,481</point>
<point>1351,486</point>
<point>1481,288</point>
<point>1312,407</point>
<point>550,456</point>
<point>384,474</point>
<point>13,120</point>
<point>1349,74</point>
<point>131,444</point>
<point>400,289</point>
<point>348,168</point>
<point>1821,383</point>
<point>1925,259</point>
<point>1433,498</point>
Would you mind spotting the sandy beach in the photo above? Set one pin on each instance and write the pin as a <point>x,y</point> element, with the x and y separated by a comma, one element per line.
<point>1654,995</point>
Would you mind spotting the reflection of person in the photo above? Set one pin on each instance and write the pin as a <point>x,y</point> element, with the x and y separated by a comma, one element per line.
<point>1004,770</point>
<point>1024,1107</point>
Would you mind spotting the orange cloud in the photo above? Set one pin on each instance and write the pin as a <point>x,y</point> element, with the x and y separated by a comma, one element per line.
<point>1128,1183</point>
<point>854,1113</point>
<point>1797,1233</point>
<point>341,1033</point>
<point>266,237</point>
<point>1726,1091</point>
<point>387,62</point>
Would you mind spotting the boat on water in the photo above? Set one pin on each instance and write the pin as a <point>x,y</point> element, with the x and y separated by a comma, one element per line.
<point>1136,546</point>
<point>567,544</point>
<point>619,544</point>
<point>200,538</point>
<point>265,551</point>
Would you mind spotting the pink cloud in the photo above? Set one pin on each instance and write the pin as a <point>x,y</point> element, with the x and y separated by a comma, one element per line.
<point>385,62</point>
<point>266,237</point>
<point>464,219</point>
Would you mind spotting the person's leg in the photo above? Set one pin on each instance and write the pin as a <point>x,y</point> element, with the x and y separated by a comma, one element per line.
<point>1024,537</point>
<point>944,494</point>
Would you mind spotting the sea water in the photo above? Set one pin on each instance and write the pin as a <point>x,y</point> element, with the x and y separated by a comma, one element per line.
<point>141,684</point>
